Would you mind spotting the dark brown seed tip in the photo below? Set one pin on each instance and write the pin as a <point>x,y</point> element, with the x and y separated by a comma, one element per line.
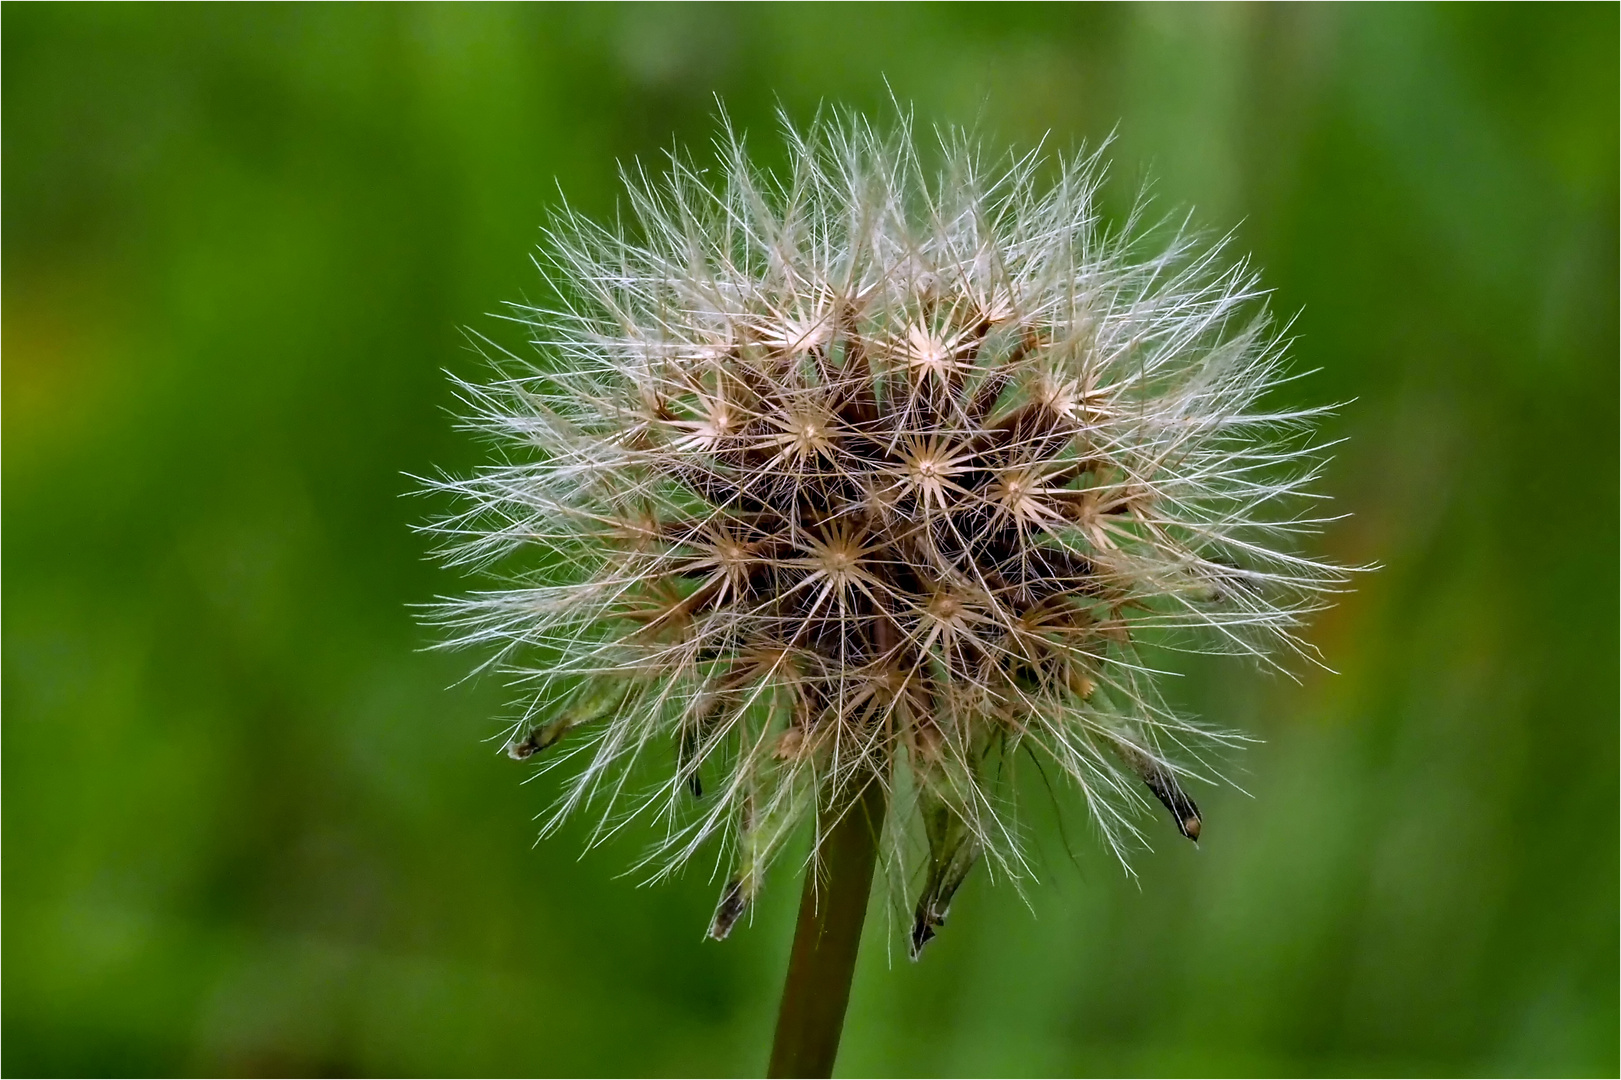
<point>1184,811</point>
<point>732,904</point>
<point>538,738</point>
<point>922,934</point>
<point>523,748</point>
<point>923,927</point>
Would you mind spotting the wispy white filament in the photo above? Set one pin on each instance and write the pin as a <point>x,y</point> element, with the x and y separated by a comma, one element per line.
<point>876,473</point>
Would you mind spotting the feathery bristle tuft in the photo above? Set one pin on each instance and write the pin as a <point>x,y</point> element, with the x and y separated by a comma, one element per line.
<point>853,473</point>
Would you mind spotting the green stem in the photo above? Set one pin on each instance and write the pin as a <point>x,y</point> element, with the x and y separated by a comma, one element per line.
<point>832,908</point>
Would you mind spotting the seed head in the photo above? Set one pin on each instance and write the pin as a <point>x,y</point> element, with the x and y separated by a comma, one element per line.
<point>867,473</point>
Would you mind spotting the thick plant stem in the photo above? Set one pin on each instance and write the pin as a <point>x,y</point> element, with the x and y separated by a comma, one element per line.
<point>832,907</point>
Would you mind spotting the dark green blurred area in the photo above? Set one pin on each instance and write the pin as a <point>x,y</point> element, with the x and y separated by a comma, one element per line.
<point>250,828</point>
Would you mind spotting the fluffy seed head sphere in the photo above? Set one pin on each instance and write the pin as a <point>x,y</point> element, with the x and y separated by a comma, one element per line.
<point>878,471</point>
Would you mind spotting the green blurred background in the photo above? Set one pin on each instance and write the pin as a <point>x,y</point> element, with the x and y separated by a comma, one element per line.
<point>250,828</point>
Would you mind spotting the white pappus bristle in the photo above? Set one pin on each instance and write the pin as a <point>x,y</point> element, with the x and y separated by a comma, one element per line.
<point>878,472</point>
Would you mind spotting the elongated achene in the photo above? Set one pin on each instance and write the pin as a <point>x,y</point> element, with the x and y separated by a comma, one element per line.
<point>877,473</point>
